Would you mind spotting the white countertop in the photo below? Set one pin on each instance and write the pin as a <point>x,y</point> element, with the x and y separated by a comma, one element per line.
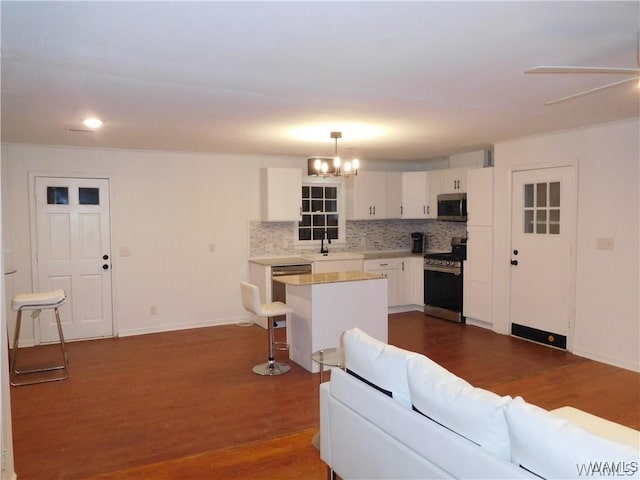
<point>332,277</point>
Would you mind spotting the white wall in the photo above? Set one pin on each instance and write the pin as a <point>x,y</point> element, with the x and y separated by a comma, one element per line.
<point>607,318</point>
<point>168,208</point>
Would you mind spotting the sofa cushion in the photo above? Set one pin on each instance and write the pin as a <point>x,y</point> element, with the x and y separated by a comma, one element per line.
<point>377,363</point>
<point>474,413</point>
<point>553,447</point>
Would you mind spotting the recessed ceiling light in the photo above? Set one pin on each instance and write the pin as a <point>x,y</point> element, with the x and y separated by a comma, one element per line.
<point>92,122</point>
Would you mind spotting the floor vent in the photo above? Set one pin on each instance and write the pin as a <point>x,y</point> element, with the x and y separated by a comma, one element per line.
<point>539,336</point>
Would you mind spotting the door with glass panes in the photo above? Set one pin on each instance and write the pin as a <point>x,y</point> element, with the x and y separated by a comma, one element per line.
<point>543,232</point>
<point>73,252</point>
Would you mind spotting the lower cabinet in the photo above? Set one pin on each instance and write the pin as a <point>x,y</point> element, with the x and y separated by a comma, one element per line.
<point>401,279</point>
<point>477,275</point>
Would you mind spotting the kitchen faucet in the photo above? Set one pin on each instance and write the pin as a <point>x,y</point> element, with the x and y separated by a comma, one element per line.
<point>324,249</point>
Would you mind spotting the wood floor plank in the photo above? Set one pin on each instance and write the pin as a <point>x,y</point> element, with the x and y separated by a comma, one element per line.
<point>168,397</point>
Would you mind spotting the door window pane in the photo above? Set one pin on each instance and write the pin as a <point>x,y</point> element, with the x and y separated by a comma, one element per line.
<point>89,196</point>
<point>541,195</point>
<point>528,195</point>
<point>57,196</point>
<point>541,212</point>
<point>554,194</point>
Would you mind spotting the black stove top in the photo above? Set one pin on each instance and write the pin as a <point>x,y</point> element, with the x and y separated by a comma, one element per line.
<point>458,251</point>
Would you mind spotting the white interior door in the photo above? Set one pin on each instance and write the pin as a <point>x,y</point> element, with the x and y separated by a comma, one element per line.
<point>543,229</point>
<point>74,253</point>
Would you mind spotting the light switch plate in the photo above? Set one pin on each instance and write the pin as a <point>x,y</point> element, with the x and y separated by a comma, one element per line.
<point>605,244</point>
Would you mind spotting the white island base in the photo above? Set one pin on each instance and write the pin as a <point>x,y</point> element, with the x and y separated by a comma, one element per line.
<point>327,304</point>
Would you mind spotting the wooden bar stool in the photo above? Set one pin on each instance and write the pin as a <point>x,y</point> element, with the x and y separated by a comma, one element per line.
<point>251,302</point>
<point>37,302</point>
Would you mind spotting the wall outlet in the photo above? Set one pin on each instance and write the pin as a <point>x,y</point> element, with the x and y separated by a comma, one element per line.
<point>212,248</point>
<point>605,244</point>
<point>125,251</point>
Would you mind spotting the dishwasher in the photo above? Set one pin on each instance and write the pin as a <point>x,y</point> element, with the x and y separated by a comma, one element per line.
<point>279,290</point>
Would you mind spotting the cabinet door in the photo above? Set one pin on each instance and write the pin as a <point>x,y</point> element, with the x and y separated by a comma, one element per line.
<point>407,285</point>
<point>367,196</point>
<point>480,197</point>
<point>433,190</point>
<point>477,289</point>
<point>414,194</point>
<point>281,194</point>
<point>394,194</point>
<point>454,180</point>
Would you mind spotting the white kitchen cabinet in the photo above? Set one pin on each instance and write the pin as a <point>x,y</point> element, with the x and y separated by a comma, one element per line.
<point>454,180</point>
<point>394,194</point>
<point>391,268</point>
<point>280,194</point>
<point>478,277</point>
<point>401,274</point>
<point>417,274</point>
<point>414,194</point>
<point>433,190</point>
<point>477,289</point>
<point>480,196</point>
<point>367,196</point>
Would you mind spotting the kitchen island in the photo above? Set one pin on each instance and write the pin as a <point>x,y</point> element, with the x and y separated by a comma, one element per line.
<point>327,304</point>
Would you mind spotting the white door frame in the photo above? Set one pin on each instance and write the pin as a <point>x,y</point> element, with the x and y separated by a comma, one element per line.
<point>33,235</point>
<point>574,236</point>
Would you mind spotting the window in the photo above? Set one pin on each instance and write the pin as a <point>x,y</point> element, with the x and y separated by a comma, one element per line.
<point>542,208</point>
<point>319,213</point>
<point>57,195</point>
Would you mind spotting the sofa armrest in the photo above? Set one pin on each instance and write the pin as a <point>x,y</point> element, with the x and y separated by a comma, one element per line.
<point>599,426</point>
<point>325,424</point>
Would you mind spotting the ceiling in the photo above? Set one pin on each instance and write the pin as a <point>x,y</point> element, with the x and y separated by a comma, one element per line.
<point>402,81</point>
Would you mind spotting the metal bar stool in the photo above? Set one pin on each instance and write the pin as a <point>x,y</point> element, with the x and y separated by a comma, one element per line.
<point>37,302</point>
<point>251,302</point>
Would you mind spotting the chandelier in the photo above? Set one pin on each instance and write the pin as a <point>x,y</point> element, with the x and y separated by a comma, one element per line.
<point>325,166</point>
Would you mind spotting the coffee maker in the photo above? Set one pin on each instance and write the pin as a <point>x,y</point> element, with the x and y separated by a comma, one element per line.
<point>417,242</point>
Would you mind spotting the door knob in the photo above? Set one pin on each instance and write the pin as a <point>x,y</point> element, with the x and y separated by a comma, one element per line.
<point>105,257</point>
<point>105,267</point>
<point>514,262</point>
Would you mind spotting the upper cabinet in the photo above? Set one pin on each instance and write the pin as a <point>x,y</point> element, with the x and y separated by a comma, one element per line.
<point>414,194</point>
<point>367,196</point>
<point>480,197</point>
<point>394,194</point>
<point>454,180</point>
<point>280,192</point>
<point>433,190</point>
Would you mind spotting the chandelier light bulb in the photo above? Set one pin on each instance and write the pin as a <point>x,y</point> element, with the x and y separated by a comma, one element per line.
<point>356,164</point>
<point>347,167</point>
<point>317,165</point>
<point>325,167</point>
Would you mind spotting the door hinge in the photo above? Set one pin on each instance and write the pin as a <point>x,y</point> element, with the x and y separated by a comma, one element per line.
<point>4,459</point>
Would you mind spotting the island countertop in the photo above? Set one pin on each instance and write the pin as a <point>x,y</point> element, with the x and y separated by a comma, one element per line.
<point>331,277</point>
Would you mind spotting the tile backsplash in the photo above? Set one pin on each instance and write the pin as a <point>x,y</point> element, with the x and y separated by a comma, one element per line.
<point>277,238</point>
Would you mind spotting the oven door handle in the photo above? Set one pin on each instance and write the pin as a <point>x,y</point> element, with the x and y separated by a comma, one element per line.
<point>435,268</point>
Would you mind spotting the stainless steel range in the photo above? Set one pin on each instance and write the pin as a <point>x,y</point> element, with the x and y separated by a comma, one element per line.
<point>443,275</point>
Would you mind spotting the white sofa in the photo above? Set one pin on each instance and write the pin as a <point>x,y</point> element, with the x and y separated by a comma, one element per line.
<point>429,423</point>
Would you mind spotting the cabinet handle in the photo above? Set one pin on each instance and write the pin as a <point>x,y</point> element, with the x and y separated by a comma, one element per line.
<point>401,210</point>
<point>428,209</point>
<point>384,264</point>
<point>374,210</point>
<point>403,266</point>
<point>424,210</point>
<point>369,209</point>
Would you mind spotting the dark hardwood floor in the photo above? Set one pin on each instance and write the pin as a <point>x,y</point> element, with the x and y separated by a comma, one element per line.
<point>185,404</point>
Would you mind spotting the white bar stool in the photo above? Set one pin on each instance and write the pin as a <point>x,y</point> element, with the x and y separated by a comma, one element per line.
<point>37,302</point>
<point>251,302</point>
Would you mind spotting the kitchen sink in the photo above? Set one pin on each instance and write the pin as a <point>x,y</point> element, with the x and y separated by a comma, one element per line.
<point>324,257</point>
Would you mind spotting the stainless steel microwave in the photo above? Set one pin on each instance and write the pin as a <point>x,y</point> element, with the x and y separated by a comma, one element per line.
<point>452,207</point>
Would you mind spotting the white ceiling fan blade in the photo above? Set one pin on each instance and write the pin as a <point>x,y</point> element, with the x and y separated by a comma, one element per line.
<point>586,92</point>
<point>570,69</point>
